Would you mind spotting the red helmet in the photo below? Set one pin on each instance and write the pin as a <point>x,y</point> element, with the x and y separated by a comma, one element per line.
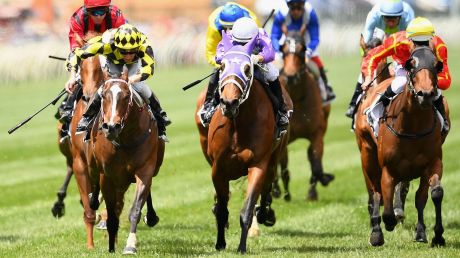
<point>96,3</point>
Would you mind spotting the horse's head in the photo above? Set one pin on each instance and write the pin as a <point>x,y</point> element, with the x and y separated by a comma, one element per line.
<point>117,97</point>
<point>293,51</point>
<point>236,76</point>
<point>423,67</point>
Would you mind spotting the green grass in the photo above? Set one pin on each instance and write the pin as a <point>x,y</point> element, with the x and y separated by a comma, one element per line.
<point>32,170</point>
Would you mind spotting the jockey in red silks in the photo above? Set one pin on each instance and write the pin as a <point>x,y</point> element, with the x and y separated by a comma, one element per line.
<point>302,17</point>
<point>420,32</point>
<point>94,16</point>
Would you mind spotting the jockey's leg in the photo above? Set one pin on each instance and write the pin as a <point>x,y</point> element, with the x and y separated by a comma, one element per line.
<point>91,110</point>
<point>274,85</point>
<point>397,85</point>
<point>68,106</point>
<point>329,91</point>
<point>352,106</point>
<point>209,101</point>
<point>439,105</point>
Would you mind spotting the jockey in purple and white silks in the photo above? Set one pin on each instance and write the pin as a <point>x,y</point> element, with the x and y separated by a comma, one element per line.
<point>244,30</point>
<point>301,16</point>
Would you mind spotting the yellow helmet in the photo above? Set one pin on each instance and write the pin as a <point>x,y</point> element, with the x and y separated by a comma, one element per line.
<point>127,37</point>
<point>420,29</point>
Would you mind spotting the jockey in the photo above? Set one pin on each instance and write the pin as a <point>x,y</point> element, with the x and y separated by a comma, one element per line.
<point>385,18</point>
<point>221,19</point>
<point>302,17</point>
<point>116,48</point>
<point>420,32</point>
<point>96,16</point>
<point>244,30</point>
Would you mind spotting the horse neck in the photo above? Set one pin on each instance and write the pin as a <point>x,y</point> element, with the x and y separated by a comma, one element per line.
<point>91,74</point>
<point>411,116</point>
<point>136,124</point>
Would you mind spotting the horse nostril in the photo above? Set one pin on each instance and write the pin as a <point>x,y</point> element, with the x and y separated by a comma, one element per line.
<point>234,102</point>
<point>105,126</point>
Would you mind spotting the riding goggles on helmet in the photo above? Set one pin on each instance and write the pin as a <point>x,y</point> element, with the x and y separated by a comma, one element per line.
<point>98,12</point>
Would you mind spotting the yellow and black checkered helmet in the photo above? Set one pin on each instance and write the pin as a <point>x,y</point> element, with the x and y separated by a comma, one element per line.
<point>127,37</point>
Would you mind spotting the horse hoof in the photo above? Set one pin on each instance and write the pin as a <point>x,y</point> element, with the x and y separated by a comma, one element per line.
<point>287,197</point>
<point>399,214</point>
<point>241,250</point>
<point>376,238</point>
<point>151,222</point>
<point>270,218</point>
<point>58,209</point>
<point>312,195</point>
<point>325,179</point>
<point>102,225</point>
<point>261,215</point>
<point>420,237</point>
<point>438,241</point>
<point>389,221</point>
<point>129,250</point>
<point>221,246</point>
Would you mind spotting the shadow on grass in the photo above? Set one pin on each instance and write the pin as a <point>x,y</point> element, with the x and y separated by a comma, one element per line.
<point>9,238</point>
<point>313,249</point>
<point>301,233</point>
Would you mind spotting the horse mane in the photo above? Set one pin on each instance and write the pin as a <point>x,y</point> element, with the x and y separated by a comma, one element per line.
<point>297,36</point>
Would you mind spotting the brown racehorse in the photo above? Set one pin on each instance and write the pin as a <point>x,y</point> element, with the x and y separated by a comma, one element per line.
<point>241,141</point>
<point>309,119</point>
<point>409,146</point>
<point>123,147</point>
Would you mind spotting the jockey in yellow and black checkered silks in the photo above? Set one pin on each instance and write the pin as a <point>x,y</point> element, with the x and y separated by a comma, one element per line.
<point>127,37</point>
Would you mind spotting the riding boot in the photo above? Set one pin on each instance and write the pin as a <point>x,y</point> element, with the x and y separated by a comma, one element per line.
<point>160,116</point>
<point>67,109</point>
<point>385,98</point>
<point>283,116</point>
<point>209,101</point>
<point>352,106</point>
<point>91,110</point>
<point>329,91</point>
<point>439,105</point>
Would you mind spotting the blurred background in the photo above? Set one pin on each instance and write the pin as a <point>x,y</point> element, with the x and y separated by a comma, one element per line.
<point>33,29</point>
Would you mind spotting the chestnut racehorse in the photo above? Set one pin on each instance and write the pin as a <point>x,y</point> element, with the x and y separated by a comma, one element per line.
<point>408,146</point>
<point>309,119</point>
<point>124,147</point>
<point>241,140</point>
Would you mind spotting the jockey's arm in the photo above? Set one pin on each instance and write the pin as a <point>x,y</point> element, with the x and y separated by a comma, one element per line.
<point>213,38</point>
<point>76,33</point>
<point>371,61</point>
<point>267,53</point>
<point>444,78</point>
<point>147,61</point>
<point>277,31</point>
<point>370,25</point>
<point>313,31</point>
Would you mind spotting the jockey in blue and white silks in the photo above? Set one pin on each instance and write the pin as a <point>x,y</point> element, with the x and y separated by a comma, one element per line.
<point>301,16</point>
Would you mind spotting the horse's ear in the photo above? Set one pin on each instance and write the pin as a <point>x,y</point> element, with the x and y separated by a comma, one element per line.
<point>124,74</point>
<point>250,45</point>
<point>409,65</point>
<point>226,41</point>
<point>439,67</point>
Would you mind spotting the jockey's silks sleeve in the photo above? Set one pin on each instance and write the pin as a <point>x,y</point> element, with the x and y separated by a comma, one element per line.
<point>396,45</point>
<point>444,78</point>
<point>104,45</point>
<point>213,33</point>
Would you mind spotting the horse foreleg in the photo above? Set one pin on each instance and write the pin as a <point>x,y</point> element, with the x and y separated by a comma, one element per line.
<point>58,209</point>
<point>421,196</point>
<point>113,222</point>
<point>141,195</point>
<point>151,219</point>
<point>285,174</point>
<point>388,186</point>
<point>437,193</point>
<point>376,238</point>
<point>315,156</point>
<point>256,179</point>
<point>401,191</point>
<point>220,210</point>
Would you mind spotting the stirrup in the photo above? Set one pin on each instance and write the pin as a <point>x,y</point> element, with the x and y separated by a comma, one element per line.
<point>205,115</point>
<point>350,111</point>
<point>66,116</point>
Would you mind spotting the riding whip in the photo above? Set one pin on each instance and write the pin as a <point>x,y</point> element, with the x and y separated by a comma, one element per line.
<point>57,57</point>
<point>32,116</point>
<point>188,86</point>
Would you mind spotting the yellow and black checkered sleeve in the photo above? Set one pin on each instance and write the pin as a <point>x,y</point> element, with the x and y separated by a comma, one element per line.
<point>147,59</point>
<point>95,47</point>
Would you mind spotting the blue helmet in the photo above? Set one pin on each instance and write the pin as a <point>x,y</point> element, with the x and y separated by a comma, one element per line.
<point>295,1</point>
<point>391,8</point>
<point>229,14</point>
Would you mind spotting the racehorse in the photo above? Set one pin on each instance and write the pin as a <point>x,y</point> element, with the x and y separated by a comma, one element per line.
<point>411,133</point>
<point>124,147</point>
<point>309,119</point>
<point>241,140</point>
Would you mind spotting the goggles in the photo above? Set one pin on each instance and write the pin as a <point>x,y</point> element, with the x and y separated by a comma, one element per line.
<point>98,12</point>
<point>296,7</point>
<point>128,51</point>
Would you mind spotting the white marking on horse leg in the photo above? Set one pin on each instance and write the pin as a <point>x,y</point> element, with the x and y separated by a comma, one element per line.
<point>131,242</point>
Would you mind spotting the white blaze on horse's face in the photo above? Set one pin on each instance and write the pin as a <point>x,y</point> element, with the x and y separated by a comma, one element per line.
<point>115,91</point>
